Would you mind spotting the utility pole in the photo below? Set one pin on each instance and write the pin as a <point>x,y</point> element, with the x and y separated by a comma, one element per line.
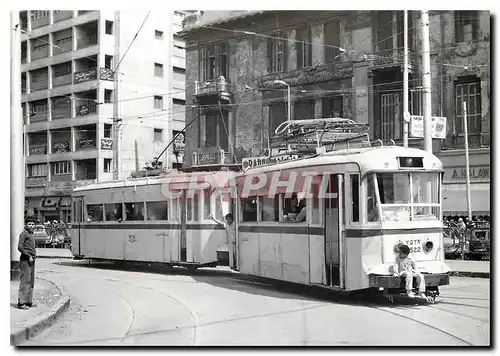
<point>467,174</point>
<point>426,81</point>
<point>405,82</point>
<point>116,100</point>
<point>16,146</point>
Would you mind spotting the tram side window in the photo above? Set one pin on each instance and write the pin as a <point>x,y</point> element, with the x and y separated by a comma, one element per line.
<point>206,204</point>
<point>113,212</point>
<point>269,208</point>
<point>372,209</point>
<point>174,210</point>
<point>192,208</point>
<point>355,197</point>
<point>95,212</point>
<point>157,210</point>
<point>316,213</point>
<point>134,211</point>
<point>249,209</point>
<point>294,208</point>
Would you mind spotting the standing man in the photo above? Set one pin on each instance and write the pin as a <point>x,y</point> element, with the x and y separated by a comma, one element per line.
<point>27,261</point>
<point>230,228</point>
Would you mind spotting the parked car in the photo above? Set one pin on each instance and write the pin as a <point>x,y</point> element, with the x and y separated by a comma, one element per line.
<point>42,238</point>
<point>479,241</point>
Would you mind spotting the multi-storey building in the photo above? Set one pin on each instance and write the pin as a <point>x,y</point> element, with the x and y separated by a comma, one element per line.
<point>338,63</point>
<point>101,97</point>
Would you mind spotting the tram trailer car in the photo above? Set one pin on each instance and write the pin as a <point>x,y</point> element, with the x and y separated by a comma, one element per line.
<point>379,197</point>
<point>148,220</point>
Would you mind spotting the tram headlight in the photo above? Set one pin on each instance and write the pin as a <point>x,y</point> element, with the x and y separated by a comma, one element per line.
<point>428,246</point>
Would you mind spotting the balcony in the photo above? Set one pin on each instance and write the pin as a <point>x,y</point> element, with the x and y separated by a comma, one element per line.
<point>63,41</point>
<point>392,58</point>
<point>39,18</point>
<point>61,147</point>
<point>86,35</point>
<point>218,89</point>
<point>457,142</point>
<point>39,79</point>
<point>61,74</point>
<point>61,108</point>
<point>40,48</point>
<point>85,169</point>
<point>85,137</point>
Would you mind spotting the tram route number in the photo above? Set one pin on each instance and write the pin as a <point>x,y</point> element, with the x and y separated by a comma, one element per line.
<point>414,246</point>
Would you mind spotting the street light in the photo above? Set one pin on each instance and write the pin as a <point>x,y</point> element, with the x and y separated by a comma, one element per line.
<point>289,104</point>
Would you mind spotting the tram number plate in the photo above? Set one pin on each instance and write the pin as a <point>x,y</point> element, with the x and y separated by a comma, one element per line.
<point>414,246</point>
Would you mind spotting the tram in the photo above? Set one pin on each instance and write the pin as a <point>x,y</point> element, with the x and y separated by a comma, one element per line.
<point>333,219</point>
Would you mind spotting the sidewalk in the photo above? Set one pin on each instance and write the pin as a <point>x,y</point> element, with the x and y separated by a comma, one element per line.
<point>469,268</point>
<point>50,302</point>
<point>54,253</point>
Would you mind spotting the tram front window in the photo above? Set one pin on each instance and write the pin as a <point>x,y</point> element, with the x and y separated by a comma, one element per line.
<point>405,196</point>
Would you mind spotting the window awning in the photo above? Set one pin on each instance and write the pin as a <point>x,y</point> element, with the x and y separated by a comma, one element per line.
<point>455,199</point>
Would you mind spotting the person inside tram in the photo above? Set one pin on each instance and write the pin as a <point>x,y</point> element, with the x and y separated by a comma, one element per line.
<point>230,228</point>
<point>302,216</point>
<point>292,208</point>
<point>405,267</point>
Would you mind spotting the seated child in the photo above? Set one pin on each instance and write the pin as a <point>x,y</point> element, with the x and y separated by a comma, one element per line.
<point>405,267</point>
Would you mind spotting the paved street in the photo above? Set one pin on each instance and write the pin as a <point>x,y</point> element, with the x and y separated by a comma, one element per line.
<point>113,305</point>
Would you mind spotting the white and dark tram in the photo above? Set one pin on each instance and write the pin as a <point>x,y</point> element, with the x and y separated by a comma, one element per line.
<point>355,207</point>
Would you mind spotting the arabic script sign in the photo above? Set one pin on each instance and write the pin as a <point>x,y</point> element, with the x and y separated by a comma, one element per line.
<point>253,162</point>
<point>106,143</point>
<point>86,75</point>
<point>87,142</point>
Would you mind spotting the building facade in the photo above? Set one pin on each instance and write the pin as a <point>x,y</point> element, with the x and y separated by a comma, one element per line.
<point>98,101</point>
<point>337,64</point>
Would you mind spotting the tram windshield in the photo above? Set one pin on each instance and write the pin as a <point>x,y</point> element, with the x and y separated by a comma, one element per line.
<point>403,196</point>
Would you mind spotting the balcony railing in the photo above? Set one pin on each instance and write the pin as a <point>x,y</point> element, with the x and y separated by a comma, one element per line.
<point>39,84</point>
<point>63,46</point>
<point>85,143</point>
<point>85,176</point>
<point>38,149</point>
<point>62,15</point>
<point>456,142</point>
<point>61,80</point>
<point>39,22</point>
<point>87,41</point>
<point>61,146</point>
<point>106,74</point>
<point>85,75</point>
<point>41,52</point>
<point>39,116</point>
<point>61,113</point>
<point>218,87</point>
<point>392,58</point>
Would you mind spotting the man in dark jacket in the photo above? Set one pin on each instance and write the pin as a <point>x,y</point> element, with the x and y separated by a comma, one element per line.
<point>27,261</point>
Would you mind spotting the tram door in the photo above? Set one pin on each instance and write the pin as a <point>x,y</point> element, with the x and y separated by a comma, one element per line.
<point>182,247</point>
<point>333,222</point>
<point>78,219</point>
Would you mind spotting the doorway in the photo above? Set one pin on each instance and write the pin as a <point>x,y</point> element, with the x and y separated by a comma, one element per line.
<point>333,231</point>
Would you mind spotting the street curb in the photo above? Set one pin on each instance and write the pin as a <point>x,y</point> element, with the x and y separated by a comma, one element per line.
<point>64,257</point>
<point>44,320</point>
<point>470,274</point>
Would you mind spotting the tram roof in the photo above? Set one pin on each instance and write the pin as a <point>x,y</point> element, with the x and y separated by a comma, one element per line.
<point>382,158</point>
<point>172,177</point>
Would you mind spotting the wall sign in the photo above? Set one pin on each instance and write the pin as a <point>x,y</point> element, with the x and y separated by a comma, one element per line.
<point>458,174</point>
<point>106,144</point>
<point>86,75</point>
<point>438,126</point>
<point>253,162</point>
